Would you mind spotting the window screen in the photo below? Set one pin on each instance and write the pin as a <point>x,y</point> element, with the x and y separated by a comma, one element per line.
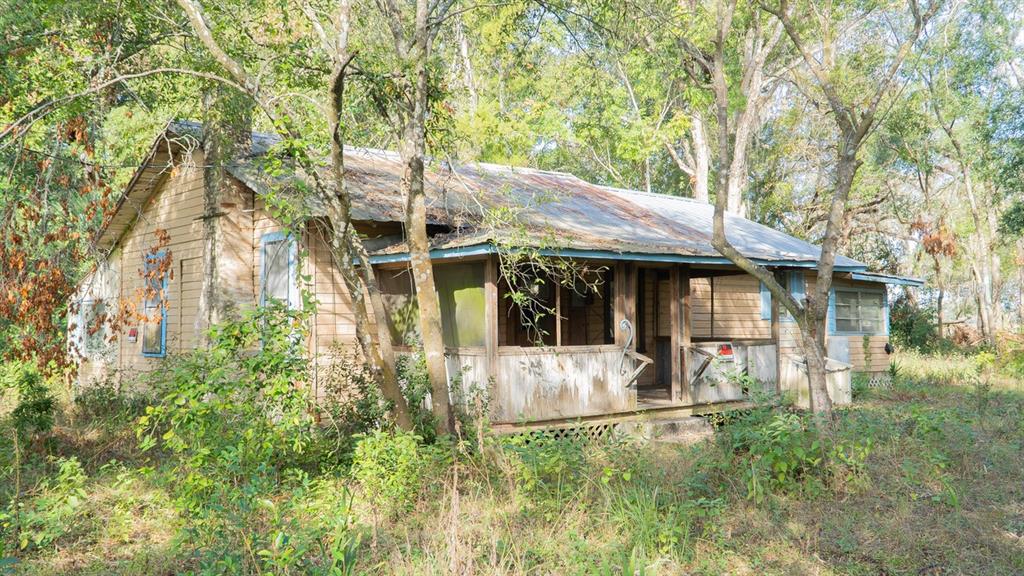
<point>399,295</point>
<point>860,312</point>
<point>279,282</point>
<point>94,325</point>
<point>460,288</point>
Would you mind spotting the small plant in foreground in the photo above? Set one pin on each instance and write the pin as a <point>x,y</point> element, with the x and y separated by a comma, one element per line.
<point>53,510</point>
<point>783,452</point>
<point>391,468</point>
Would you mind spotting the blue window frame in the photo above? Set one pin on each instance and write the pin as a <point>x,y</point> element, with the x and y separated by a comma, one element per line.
<point>154,307</point>
<point>278,261</point>
<point>797,289</point>
<point>766,302</point>
<point>856,311</point>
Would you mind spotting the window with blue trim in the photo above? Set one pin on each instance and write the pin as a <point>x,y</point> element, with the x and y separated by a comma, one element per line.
<point>797,289</point>
<point>154,306</point>
<point>278,280</point>
<point>766,302</point>
<point>858,312</point>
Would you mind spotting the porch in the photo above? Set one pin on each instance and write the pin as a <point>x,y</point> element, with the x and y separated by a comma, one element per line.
<point>645,338</point>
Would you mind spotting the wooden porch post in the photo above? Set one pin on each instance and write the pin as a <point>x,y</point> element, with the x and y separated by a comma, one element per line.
<point>558,314</point>
<point>619,288</point>
<point>676,329</point>
<point>491,317</point>
<point>682,352</point>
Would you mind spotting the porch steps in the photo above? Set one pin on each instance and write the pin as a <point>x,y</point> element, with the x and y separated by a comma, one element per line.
<point>678,430</point>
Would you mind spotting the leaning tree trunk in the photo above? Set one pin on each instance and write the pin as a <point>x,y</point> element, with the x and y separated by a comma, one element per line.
<point>227,133</point>
<point>817,373</point>
<point>413,152</point>
<point>426,293</point>
<point>346,248</point>
<point>813,338</point>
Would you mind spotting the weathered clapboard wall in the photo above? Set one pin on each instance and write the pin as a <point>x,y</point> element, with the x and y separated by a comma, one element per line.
<point>794,381</point>
<point>175,208</point>
<point>737,308</point>
<point>551,382</point>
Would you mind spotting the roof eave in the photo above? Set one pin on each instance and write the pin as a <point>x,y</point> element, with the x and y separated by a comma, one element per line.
<point>488,248</point>
<point>890,279</point>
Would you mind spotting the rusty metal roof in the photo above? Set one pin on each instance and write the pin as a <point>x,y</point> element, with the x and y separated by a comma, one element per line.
<point>486,203</point>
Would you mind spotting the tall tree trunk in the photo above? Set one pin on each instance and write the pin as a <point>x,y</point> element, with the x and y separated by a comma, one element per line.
<point>334,196</point>
<point>413,152</point>
<point>940,319</point>
<point>982,268</point>
<point>468,78</point>
<point>701,159</point>
<point>347,248</point>
<point>1020,286</point>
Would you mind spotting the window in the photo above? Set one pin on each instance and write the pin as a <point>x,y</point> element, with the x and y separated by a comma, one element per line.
<point>154,330</point>
<point>797,288</point>
<point>460,293</point>
<point>858,312</point>
<point>277,276</point>
<point>766,302</point>
<point>94,327</point>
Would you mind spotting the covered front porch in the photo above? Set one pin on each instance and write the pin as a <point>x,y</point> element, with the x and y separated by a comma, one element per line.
<point>647,336</point>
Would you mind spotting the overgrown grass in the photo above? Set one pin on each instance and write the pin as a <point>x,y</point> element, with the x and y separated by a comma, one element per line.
<point>925,477</point>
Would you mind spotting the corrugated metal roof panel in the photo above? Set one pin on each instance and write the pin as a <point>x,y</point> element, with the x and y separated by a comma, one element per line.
<point>552,209</point>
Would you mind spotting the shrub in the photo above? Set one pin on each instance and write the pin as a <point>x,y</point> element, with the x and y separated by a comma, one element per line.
<point>783,452</point>
<point>236,419</point>
<point>412,374</point>
<point>391,466</point>
<point>912,327</point>
<point>32,402</point>
<point>546,467</point>
<point>352,404</point>
<point>52,512</point>
<point>109,404</point>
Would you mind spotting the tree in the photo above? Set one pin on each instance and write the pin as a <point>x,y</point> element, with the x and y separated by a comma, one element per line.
<point>404,97</point>
<point>854,113</point>
<point>345,243</point>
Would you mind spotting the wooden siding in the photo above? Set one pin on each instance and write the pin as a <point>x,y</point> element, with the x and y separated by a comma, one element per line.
<point>176,207</point>
<point>183,315</point>
<point>737,308</point>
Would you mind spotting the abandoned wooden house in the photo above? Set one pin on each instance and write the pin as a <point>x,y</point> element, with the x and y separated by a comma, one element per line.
<point>666,324</point>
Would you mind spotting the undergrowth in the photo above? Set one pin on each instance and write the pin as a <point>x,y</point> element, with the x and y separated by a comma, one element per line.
<point>223,469</point>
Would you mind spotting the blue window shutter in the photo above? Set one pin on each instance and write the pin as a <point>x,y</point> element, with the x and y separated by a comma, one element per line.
<point>766,303</point>
<point>832,311</point>
<point>151,260</point>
